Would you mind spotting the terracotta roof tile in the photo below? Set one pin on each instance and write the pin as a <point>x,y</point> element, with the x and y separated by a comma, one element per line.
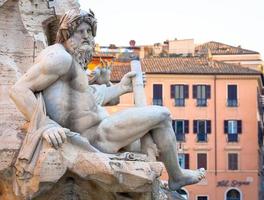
<point>119,70</point>
<point>218,48</point>
<point>191,65</point>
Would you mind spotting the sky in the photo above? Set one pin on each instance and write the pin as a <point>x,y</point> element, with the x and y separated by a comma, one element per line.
<point>233,22</point>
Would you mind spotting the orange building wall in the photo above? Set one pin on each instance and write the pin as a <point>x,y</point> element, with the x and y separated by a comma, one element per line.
<point>247,147</point>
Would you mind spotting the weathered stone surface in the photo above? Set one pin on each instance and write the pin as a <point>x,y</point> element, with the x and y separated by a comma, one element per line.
<point>90,172</point>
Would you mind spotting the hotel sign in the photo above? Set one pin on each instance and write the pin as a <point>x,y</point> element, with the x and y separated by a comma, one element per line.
<point>233,183</point>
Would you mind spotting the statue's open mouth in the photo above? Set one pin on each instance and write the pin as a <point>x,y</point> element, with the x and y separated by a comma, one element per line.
<point>86,42</point>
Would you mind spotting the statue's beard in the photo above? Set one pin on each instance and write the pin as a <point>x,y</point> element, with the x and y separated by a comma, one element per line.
<point>82,53</point>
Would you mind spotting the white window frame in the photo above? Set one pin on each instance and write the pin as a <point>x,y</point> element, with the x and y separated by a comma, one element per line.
<point>202,195</point>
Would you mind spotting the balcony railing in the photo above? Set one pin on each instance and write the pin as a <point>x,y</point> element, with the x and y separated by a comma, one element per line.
<point>157,102</point>
<point>179,101</point>
<point>232,137</point>
<point>180,137</point>
<point>201,102</point>
<point>232,102</point>
<point>201,137</point>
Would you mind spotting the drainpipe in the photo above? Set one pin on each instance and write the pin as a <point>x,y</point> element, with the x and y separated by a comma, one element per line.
<point>215,126</point>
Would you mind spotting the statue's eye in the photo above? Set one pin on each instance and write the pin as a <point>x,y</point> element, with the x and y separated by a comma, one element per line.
<point>89,31</point>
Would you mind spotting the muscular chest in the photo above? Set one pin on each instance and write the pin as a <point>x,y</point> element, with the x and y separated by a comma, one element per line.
<point>78,78</point>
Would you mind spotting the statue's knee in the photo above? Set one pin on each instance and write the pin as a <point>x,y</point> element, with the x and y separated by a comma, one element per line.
<point>106,147</point>
<point>165,114</point>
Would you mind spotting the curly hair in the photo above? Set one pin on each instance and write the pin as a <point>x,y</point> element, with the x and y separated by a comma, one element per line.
<point>71,20</point>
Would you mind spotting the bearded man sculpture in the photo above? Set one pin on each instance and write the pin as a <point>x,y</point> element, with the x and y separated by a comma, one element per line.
<point>73,104</point>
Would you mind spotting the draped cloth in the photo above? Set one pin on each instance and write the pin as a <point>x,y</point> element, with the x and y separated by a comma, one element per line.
<point>31,146</point>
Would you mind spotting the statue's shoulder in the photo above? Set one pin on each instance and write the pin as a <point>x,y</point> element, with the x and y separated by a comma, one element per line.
<point>55,58</point>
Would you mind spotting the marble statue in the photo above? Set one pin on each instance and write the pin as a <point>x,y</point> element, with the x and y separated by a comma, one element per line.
<point>56,94</point>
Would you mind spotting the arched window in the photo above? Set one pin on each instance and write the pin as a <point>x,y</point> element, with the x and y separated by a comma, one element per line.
<point>233,194</point>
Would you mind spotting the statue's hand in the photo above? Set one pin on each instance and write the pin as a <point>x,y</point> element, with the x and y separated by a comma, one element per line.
<point>55,136</point>
<point>126,81</point>
<point>101,75</point>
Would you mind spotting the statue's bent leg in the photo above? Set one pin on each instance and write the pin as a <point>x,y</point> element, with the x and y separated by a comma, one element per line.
<point>123,128</point>
<point>165,140</point>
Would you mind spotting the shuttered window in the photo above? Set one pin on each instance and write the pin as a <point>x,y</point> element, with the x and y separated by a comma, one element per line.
<point>202,160</point>
<point>180,127</point>
<point>232,128</point>
<point>201,93</point>
<point>202,128</point>
<point>184,160</point>
<point>179,93</point>
<point>232,161</point>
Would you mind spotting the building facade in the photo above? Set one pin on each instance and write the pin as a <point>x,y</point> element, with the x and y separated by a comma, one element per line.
<point>215,116</point>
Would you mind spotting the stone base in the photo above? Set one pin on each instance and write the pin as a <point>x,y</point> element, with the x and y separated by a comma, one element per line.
<point>73,174</point>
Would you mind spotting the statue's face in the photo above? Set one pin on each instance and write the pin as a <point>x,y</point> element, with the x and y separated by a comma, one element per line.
<point>83,37</point>
<point>82,42</point>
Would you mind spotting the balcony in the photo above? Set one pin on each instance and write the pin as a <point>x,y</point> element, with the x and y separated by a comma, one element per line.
<point>179,102</point>
<point>201,102</point>
<point>232,102</point>
<point>201,137</point>
<point>232,137</point>
<point>157,102</point>
<point>180,137</point>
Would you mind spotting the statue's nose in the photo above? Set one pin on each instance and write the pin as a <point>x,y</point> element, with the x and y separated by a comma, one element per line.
<point>85,35</point>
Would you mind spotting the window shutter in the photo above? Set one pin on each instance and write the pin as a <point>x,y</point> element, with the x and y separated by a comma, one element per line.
<point>208,126</point>
<point>194,91</point>
<point>172,91</point>
<point>194,126</point>
<point>186,126</point>
<point>187,161</point>
<point>239,126</point>
<point>173,125</point>
<point>208,91</point>
<point>186,91</point>
<point>225,126</point>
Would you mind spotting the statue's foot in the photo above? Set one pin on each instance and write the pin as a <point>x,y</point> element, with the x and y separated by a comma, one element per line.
<point>188,177</point>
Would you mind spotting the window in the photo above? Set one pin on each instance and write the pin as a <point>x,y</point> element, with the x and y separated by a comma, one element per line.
<point>202,160</point>
<point>232,128</point>
<point>179,93</point>
<point>202,128</point>
<point>233,194</point>
<point>232,161</point>
<point>232,96</point>
<point>157,95</point>
<point>201,93</point>
<point>184,160</point>
<point>180,127</point>
<point>202,198</point>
